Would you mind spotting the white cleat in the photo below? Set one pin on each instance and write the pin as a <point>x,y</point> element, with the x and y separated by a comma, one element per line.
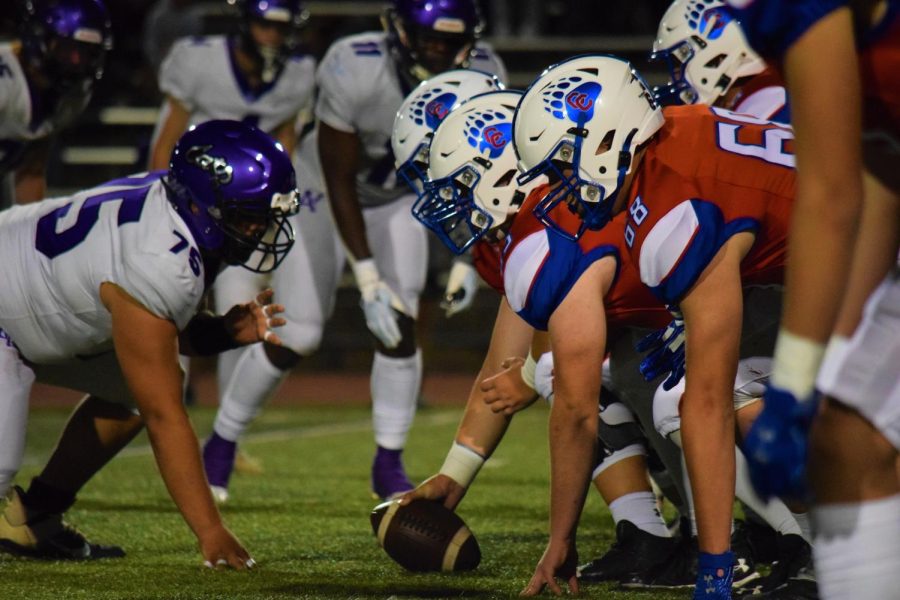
<point>219,494</point>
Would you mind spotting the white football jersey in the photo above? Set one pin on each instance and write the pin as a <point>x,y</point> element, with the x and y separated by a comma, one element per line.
<point>360,91</point>
<point>200,73</point>
<point>56,253</point>
<point>16,110</point>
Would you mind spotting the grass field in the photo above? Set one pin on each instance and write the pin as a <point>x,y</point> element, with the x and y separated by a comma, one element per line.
<point>305,519</point>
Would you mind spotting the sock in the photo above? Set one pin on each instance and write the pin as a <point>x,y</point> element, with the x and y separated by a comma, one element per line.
<point>227,362</point>
<point>857,549</point>
<point>253,381</point>
<point>43,497</point>
<point>639,508</point>
<point>774,512</point>
<point>395,388</point>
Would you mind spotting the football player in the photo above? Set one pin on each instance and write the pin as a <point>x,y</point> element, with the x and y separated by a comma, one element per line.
<point>722,223</point>
<point>46,80</point>
<point>348,181</point>
<point>258,75</point>
<point>470,200</point>
<point>848,198</point>
<point>102,294</point>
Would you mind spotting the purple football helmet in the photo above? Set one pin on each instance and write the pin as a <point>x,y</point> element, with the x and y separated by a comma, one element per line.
<point>234,186</point>
<point>67,40</point>
<point>288,16</point>
<point>428,37</point>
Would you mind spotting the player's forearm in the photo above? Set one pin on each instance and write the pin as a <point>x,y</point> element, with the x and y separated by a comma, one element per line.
<point>481,429</point>
<point>573,439</point>
<point>348,217</point>
<point>178,457</point>
<point>205,335</point>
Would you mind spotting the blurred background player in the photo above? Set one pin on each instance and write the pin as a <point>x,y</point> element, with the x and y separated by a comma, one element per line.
<point>362,82</point>
<point>103,294</point>
<point>847,124</point>
<point>257,75</point>
<point>46,80</point>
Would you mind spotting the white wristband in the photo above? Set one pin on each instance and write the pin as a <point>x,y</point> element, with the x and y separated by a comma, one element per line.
<point>528,371</point>
<point>796,363</point>
<point>462,464</point>
<point>365,272</point>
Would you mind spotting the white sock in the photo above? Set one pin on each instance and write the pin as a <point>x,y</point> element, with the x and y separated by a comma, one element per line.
<point>774,512</point>
<point>395,389</point>
<point>857,549</point>
<point>639,508</point>
<point>253,381</point>
<point>227,361</point>
<point>805,524</point>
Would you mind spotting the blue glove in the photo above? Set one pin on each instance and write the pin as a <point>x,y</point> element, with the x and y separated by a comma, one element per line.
<point>715,574</point>
<point>777,445</point>
<point>666,352</point>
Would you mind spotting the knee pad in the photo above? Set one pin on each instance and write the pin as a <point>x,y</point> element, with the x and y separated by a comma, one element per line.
<point>303,337</point>
<point>619,435</point>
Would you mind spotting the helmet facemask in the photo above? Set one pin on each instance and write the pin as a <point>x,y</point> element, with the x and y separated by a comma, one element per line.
<point>256,240</point>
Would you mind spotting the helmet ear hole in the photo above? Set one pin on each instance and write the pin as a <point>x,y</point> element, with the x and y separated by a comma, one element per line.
<point>606,143</point>
<point>504,181</point>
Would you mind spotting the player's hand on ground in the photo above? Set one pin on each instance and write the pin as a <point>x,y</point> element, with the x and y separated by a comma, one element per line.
<point>438,487</point>
<point>462,285</point>
<point>506,392</point>
<point>222,550</point>
<point>254,321</point>
<point>559,561</point>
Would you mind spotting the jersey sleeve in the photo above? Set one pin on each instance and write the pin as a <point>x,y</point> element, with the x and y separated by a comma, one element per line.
<point>540,270</point>
<point>772,26</point>
<point>337,83</point>
<point>177,73</point>
<point>487,260</point>
<point>682,244</point>
<point>165,284</point>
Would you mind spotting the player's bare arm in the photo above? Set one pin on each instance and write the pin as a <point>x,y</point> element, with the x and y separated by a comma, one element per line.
<point>286,135</point>
<point>578,337</point>
<point>512,388</point>
<point>147,350</point>
<point>480,429</point>
<point>829,191</point>
<point>712,314</point>
<point>248,323</point>
<point>31,176</point>
<point>339,153</point>
<point>176,122</point>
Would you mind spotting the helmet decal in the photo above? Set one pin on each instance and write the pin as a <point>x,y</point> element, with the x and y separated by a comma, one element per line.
<point>712,22</point>
<point>486,135</point>
<point>580,101</point>
<point>437,109</point>
<point>216,166</point>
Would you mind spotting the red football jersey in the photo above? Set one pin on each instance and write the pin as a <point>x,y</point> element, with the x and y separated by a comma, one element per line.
<point>708,175</point>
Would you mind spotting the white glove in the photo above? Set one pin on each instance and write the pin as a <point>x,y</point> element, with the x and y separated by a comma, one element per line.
<point>543,376</point>
<point>378,303</point>
<point>462,284</point>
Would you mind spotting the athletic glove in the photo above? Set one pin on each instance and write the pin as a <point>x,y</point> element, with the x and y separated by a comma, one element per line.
<point>665,350</point>
<point>777,444</point>
<point>378,303</point>
<point>462,284</point>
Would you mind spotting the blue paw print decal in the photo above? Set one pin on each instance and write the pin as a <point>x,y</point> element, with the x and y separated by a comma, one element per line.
<point>710,22</point>
<point>572,98</point>
<point>489,131</point>
<point>431,107</point>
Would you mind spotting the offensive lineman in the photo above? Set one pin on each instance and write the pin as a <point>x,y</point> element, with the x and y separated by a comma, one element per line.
<point>45,82</point>
<point>362,81</point>
<point>101,294</point>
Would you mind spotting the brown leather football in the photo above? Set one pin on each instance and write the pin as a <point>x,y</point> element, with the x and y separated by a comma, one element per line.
<point>425,536</point>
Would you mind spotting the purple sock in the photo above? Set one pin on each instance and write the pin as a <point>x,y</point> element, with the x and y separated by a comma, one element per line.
<point>218,459</point>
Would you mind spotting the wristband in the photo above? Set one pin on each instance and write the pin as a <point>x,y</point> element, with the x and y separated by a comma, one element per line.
<point>462,464</point>
<point>528,371</point>
<point>365,272</point>
<point>796,364</point>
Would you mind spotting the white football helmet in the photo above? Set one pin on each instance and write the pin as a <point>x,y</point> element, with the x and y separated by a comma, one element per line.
<point>423,110</point>
<point>580,123</point>
<point>705,51</point>
<point>472,171</point>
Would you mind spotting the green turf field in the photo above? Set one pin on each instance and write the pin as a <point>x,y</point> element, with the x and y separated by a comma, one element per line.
<point>305,520</point>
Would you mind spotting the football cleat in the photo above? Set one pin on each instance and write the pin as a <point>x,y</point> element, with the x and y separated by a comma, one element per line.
<point>218,462</point>
<point>677,571</point>
<point>45,535</point>
<point>633,551</point>
<point>389,479</point>
<point>792,574</point>
<point>744,566</point>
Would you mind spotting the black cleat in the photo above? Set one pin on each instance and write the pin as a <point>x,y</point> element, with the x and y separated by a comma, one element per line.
<point>45,536</point>
<point>677,571</point>
<point>792,575</point>
<point>633,551</point>
<point>744,564</point>
<point>800,587</point>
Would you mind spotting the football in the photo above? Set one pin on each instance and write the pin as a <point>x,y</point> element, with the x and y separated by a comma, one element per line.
<point>425,536</point>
